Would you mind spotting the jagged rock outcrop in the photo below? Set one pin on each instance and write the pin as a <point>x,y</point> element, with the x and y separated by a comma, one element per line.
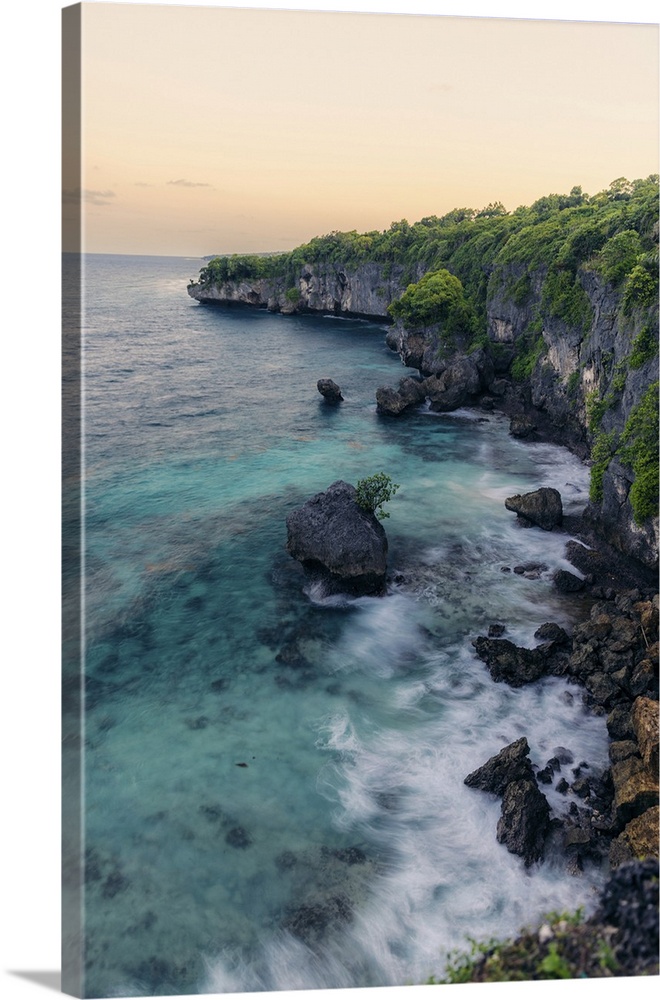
<point>339,544</point>
<point>507,662</point>
<point>455,382</point>
<point>525,821</point>
<point>525,816</point>
<point>411,392</point>
<point>512,763</point>
<point>542,507</point>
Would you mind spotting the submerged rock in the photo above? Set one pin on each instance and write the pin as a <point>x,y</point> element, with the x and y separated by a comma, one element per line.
<point>329,390</point>
<point>311,921</point>
<point>339,544</point>
<point>542,507</point>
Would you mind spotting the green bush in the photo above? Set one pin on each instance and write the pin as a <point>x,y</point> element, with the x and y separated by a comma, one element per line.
<point>602,451</point>
<point>436,298</point>
<point>644,347</point>
<point>641,288</point>
<point>564,297</point>
<point>639,449</point>
<point>619,256</point>
<point>374,491</point>
<point>529,349</point>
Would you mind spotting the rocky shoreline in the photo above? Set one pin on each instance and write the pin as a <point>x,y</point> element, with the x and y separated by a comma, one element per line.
<point>612,815</point>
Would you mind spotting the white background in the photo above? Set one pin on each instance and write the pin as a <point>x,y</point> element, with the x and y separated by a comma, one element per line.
<point>29,572</point>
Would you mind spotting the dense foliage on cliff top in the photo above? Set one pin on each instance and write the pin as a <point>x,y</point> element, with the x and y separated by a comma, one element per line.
<point>611,232</point>
<point>469,255</point>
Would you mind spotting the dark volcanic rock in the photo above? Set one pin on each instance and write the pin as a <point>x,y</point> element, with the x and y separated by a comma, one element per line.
<point>542,507</point>
<point>630,903</point>
<point>551,632</point>
<point>411,392</point>
<point>567,583</point>
<point>510,663</point>
<point>454,387</point>
<point>510,764</point>
<point>525,820</point>
<point>329,390</point>
<point>522,427</point>
<point>339,543</point>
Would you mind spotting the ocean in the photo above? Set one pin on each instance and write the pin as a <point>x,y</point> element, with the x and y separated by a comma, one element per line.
<point>273,781</point>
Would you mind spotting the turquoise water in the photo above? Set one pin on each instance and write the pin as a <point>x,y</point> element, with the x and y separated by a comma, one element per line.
<point>274,790</point>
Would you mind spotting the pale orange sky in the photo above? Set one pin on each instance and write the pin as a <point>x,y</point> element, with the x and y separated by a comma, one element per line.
<point>217,130</point>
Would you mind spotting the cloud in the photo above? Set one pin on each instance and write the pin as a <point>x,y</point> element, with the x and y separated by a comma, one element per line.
<point>75,196</point>
<point>143,184</point>
<point>188,184</point>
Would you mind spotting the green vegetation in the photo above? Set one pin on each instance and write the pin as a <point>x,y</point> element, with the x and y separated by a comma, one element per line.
<point>293,296</point>
<point>610,232</point>
<point>437,298</point>
<point>573,382</point>
<point>529,349</point>
<point>619,256</point>
<point>644,347</point>
<point>639,449</point>
<point>564,297</point>
<point>374,491</point>
<point>602,450</point>
<point>566,947</point>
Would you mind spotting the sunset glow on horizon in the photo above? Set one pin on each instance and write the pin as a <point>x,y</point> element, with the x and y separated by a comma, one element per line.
<point>214,130</point>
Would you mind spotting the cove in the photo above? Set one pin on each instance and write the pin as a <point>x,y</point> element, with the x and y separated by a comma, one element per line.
<point>274,792</point>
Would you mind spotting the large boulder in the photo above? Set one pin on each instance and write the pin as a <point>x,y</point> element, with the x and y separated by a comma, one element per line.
<point>639,839</point>
<point>329,390</point>
<point>393,402</point>
<point>542,507</point>
<point>339,543</point>
<point>454,386</point>
<point>525,820</point>
<point>635,789</point>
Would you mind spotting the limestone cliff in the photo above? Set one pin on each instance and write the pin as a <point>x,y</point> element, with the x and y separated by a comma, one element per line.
<point>573,361</point>
<point>364,290</point>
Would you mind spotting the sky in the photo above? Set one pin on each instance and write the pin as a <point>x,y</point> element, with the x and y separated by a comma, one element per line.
<point>209,130</point>
<point>29,735</point>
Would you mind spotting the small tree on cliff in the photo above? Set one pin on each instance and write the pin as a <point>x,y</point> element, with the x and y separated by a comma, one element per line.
<point>374,491</point>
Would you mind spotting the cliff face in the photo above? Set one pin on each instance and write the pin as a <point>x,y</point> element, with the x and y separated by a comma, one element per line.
<point>581,382</point>
<point>362,291</point>
<point>584,388</point>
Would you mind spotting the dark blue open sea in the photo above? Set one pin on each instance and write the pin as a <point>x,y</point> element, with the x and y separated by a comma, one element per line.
<point>274,792</point>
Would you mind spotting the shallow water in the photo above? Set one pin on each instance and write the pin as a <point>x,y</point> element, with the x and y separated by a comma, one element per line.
<point>274,792</point>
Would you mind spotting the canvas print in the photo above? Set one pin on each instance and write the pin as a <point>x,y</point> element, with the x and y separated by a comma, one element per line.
<point>360,498</point>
